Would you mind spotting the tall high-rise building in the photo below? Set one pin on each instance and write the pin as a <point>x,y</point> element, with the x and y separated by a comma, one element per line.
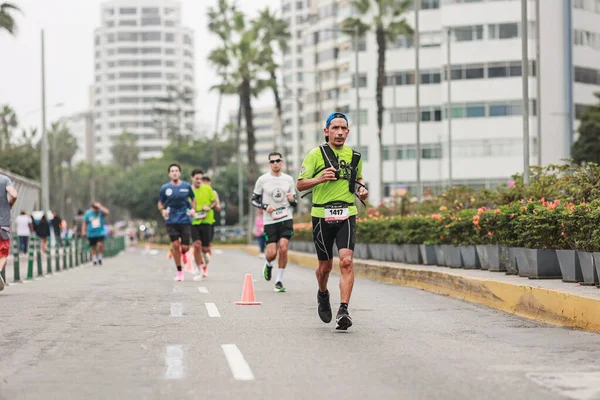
<point>144,75</point>
<point>486,105</point>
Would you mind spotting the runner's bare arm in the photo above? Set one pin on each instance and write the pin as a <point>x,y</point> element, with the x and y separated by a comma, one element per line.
<point>363,193</point>
<point>104,210</point>
<point>10,189</point>
<point>327,175</point>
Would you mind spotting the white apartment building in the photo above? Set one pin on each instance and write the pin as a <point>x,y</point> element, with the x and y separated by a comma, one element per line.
<point>142,55</point>
<point>268,137</point>
<point>487,122</point>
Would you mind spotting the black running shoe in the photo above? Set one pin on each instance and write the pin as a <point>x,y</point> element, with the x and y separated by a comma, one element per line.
<point>324,307</point>
<point>279,287</point>
<point>267,272</point>
<point>94,262</point>
<point>343,320</point>
<point>99,262</point>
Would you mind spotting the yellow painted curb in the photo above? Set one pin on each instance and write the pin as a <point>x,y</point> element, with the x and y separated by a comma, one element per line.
<point>544,305</point>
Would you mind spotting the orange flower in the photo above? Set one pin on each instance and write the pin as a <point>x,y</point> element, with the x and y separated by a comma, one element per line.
<point>497,211</point>
<point>490,233</point>
<point>512,216</point>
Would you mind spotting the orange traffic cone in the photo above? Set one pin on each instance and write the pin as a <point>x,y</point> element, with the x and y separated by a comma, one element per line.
<point>248,293</point>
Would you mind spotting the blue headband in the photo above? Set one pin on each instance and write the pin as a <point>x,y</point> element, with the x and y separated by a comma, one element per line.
<point>333,116</point>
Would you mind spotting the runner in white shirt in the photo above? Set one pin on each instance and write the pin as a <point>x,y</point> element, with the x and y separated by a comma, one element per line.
<point>24,225</point>
<point>275,192</point>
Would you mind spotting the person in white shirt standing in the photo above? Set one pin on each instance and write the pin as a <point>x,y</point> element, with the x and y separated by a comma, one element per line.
<point>275,193</point>
<point>24,228</point>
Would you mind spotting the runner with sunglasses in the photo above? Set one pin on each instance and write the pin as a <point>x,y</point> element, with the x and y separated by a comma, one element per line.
<point>334,172</point>
<point>275,193</point>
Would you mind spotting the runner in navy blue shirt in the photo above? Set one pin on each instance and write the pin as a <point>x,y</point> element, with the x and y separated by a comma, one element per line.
<point>176,202</point>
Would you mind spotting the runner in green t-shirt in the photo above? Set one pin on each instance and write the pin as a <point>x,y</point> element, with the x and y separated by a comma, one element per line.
<point>333,214</point>
<point>202,222</point>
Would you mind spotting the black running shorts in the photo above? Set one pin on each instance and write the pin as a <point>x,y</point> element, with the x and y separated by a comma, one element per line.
<point>325,234</point>
<point>203,233</point>
<point>95,240</point>
<point>279,230</point>
<point>179,231</point>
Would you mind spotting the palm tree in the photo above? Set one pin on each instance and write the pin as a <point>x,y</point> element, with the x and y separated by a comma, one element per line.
<point>62,149</point>
<point>7,21</point>
<point>125,150</point>
<point>389,24</point>
<point>239,60</point>
<point>8,122</point>
<point>273,31</point>
<point>169,111</point>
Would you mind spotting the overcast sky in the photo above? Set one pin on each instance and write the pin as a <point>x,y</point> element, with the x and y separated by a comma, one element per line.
<point>69,27</point>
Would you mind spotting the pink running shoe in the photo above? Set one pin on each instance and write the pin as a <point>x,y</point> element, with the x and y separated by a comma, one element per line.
<point>204,271</point>
<point>180,276</point>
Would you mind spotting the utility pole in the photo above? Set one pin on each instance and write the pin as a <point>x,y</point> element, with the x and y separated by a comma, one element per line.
<point>418,100</point>
<point>538,81</point>
<point>449,106</point>
<point>45,167</point>
<point>525,75</point>
<point>357,87</point>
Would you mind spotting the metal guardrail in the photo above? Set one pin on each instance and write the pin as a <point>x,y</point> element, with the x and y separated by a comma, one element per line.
<point>71,254</point>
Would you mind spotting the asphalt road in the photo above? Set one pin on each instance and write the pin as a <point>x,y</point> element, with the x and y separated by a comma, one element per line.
<point>126,330</point>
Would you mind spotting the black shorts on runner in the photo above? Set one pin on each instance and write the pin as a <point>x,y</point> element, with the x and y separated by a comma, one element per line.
<point>324,234</point>
<point>203,233</point>
<point>94,240</point>
<point>179,231</point>
<point>279,230</point>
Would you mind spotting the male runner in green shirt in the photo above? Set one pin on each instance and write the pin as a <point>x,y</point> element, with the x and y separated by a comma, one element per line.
<point>202,222</point>
<point>333,212</point>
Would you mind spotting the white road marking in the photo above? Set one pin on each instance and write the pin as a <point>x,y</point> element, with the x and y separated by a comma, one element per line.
<point>176,310</point>
<point>174,362</point>
<point>202,289</point>
<point>239,367</point>
<point>213,312</point>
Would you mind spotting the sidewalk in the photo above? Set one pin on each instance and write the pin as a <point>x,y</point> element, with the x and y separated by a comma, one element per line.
<point>550,301</point>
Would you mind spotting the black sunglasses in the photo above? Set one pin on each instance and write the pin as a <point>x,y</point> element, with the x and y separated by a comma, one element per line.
<point>275,161</point>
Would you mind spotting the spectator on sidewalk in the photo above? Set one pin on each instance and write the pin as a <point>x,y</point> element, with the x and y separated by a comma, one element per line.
<point>8,197</point>
<point>78,223</point>
<point>43,231</point>
<point>24,228</point>
<point>56,222</point>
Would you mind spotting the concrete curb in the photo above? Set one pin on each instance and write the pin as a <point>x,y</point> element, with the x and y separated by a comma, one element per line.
<point>540,304</point>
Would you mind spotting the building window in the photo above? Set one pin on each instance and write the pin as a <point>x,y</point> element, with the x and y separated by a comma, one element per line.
<point>504,31</point>
<point>128,22</point>
<point>187,39</point>
<point>169,37</point>
<point>127,11</point>
<point>362,80</point>
<point>152,21</point>
<point>169,23</point>
<point>587,75</point>
<point>150,36</point>
<point>150,10</point>
<point>467,33</point>
<point>127,37</point>
<point>151,50</point>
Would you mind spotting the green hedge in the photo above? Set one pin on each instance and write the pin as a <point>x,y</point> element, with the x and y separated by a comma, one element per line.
<point>532,224</point>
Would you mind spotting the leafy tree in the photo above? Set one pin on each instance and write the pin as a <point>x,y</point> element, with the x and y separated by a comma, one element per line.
<point>587,146</point>
<point>273,33</point>
<point>199,152</point>
<point>239,60</point>
<point>7,20</point>
<point>388,23</point>
<point>170,111</point>
<point>23,159</point>
<point>8,123</point>
<point>125,150</point>
<point>137,190</point>
<point>62,147</point>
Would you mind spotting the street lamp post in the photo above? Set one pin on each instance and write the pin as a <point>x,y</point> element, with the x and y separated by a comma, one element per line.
<point>418,100</point>
<point>449,103</point>
<point>525,74</point>
<point>44,156</point>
